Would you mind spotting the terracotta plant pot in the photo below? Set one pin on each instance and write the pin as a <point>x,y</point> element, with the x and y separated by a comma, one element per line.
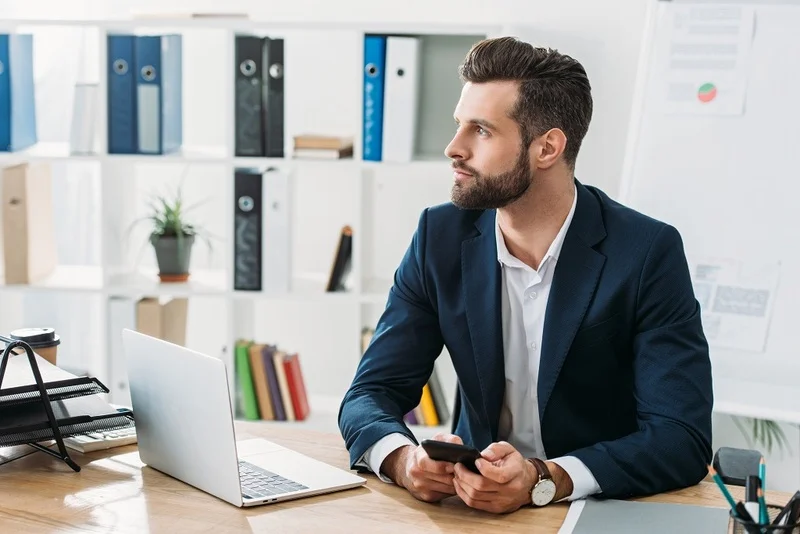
<point>173,256</point>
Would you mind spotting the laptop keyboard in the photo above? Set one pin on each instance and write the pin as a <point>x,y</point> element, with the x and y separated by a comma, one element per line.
<point>258,483</point>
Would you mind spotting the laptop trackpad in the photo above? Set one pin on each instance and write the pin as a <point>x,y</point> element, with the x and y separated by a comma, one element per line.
<point>251,447</point>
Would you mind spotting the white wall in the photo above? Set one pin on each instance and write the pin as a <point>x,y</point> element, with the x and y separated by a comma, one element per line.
<point>604,35</point>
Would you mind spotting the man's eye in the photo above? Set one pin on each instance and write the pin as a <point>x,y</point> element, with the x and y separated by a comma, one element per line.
<point>481,131</point>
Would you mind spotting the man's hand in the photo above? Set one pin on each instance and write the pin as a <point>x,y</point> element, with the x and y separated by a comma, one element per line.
<point>426,479</point>
<point>505,481</point>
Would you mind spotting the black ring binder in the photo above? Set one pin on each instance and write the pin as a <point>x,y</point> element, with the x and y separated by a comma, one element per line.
<point>47,393</point>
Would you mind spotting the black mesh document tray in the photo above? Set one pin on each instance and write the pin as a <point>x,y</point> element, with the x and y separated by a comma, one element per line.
<point>57,390</point>
<point>40,403</point>
<point>28,422</point>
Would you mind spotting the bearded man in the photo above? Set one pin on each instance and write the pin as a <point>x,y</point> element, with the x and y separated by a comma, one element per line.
<point>570,319</point>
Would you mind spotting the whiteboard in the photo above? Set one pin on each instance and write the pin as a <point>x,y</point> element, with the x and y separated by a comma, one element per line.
<point>721,163</point>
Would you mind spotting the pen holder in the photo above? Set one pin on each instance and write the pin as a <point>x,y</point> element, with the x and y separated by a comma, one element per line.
<point>739,526</point>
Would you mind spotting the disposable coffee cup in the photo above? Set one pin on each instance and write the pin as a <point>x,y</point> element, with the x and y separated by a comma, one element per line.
<point>43,341</point>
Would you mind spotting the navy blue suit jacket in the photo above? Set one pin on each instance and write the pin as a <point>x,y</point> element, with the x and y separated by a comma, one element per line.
<point>625,378</point>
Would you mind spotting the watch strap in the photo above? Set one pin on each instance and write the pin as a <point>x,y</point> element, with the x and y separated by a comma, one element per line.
<point>541,468</point>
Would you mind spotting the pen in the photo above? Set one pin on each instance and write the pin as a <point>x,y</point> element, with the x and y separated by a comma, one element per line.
<point>722,488</point>
<point>751,502</point>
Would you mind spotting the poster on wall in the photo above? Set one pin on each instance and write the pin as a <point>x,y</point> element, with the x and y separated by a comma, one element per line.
<point>736,299</point>
<point>702,67</point>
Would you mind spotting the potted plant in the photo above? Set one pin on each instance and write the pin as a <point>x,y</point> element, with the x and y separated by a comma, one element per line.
<point>764,432</point>
<point>172,237</point>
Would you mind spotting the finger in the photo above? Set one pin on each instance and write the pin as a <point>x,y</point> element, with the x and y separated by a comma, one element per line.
<point>469,500</point>
<point>452,438</point>
<point>433,485</point>
<point>428,486</point>
<point>474,481</point>
<point>476,494</point>
<point>442,479</point>
<point>498,474</point>
<point>498,451</point>
<point>429,465</point>
<point>449,438</point>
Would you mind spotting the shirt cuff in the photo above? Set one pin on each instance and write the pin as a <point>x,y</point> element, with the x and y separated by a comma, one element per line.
<point>375,455</point>
<point>583,482</point>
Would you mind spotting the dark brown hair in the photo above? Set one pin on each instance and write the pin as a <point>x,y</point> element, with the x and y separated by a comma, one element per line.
<point>554,91</point>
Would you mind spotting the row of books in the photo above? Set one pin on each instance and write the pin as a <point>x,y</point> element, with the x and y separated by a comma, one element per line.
<point>432,409</point>
<point>316,146</point>
<point>269,383</point>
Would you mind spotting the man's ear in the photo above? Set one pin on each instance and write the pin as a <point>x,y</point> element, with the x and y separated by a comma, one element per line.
<point>548,147</point>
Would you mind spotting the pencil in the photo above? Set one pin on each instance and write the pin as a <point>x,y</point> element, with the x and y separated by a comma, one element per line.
<point>723,489</point>
<point>762,474</point>
<point>762,508</point>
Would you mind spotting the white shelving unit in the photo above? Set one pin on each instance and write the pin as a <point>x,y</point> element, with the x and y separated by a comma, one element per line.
<point>381,201</point>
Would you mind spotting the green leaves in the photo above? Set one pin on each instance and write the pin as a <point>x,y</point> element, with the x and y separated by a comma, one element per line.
<point>167,217</point>
<point>762,432</point>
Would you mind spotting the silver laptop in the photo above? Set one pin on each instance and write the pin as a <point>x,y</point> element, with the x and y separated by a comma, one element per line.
<point>184,426</point>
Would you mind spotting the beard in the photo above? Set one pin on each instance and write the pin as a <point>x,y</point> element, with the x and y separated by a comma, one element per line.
<point>485,191</point>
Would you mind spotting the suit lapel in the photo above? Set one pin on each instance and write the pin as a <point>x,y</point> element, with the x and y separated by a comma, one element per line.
<point>482,279</point>
<point>574,283</point>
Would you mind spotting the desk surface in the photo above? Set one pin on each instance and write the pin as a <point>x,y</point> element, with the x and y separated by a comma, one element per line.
<point>114,492</point>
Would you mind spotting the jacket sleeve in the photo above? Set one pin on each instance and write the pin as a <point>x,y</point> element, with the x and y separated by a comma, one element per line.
<point>399,360</point>
<point>672,385</point>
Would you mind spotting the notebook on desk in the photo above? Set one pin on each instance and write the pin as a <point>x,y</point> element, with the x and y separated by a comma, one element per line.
<point>592,516</point>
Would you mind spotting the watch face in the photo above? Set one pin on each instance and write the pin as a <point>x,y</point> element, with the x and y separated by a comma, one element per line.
<point>543,492</point>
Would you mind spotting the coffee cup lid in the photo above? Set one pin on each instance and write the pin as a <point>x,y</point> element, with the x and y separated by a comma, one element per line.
<point>37,337</point>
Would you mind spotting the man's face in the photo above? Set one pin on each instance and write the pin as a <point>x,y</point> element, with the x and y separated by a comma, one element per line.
<point>490,167</point>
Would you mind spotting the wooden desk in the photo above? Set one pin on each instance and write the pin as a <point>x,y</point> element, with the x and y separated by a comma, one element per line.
<point>114,492</point>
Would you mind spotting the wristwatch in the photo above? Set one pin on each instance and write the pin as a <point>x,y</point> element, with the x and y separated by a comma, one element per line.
<point>544,489</point>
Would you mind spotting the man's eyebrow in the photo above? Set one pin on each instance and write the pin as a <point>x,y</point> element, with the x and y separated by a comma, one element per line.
<point>480,122</point>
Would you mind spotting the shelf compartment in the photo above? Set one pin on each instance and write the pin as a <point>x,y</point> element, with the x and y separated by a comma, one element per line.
<point>65,278</point>
<point>440,89</point>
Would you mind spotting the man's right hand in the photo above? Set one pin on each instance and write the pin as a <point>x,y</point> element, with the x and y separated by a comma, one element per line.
<point>426,479</point>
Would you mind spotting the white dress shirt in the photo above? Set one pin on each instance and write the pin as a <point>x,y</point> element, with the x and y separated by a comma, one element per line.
<point>524,301</point>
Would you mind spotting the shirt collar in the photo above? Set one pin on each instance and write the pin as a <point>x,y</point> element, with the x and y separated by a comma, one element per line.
<point>505,257</point>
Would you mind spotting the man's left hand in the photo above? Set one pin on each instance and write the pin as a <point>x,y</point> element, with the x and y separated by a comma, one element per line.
<point>504,482</point>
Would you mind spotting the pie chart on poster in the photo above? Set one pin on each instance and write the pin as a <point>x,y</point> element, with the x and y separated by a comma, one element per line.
<point>707,92</point>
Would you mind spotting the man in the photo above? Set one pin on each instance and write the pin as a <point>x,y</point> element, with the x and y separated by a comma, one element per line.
<point>570,319</point>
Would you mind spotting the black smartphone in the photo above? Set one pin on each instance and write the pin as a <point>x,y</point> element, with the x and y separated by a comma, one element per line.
<point>452,452</point>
